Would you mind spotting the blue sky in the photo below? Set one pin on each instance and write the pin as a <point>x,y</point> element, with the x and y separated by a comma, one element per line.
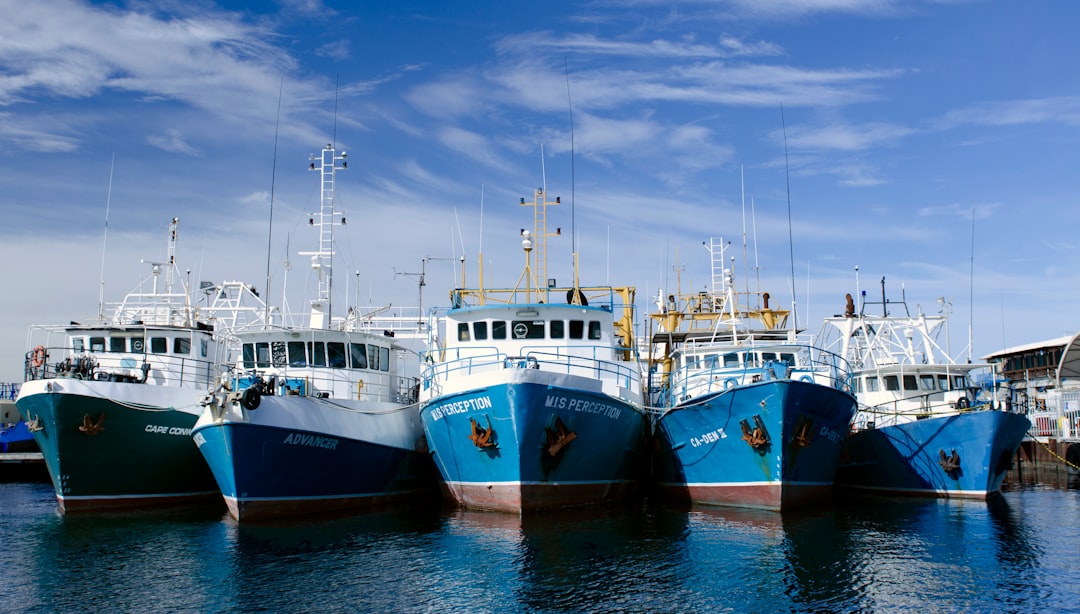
<point>930,142</point>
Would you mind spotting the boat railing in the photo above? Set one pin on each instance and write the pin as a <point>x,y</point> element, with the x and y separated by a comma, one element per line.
<point>124,367</point>
<point>703,378</point>
<point>468,361</point>
<point>326,383</point>
<point>913,407</point>
<point>1057,416</point>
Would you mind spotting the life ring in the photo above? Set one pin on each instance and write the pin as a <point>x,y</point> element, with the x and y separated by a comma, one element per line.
<point>250,399</point>
<point>37,357</point>
<point>962,403</point>
<point>730,383</point>
<point>807,379</point>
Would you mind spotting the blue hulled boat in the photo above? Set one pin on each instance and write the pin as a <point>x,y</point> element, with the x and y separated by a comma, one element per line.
<point>922,428</point>
<point>746,413</point>
<point>316,419</point>
<point>532,403</point>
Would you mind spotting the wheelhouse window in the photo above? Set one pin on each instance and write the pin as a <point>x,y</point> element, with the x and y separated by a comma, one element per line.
<point>255,355</point>
<point>384,359</point>
<point>160,345</point>
<point>358,354</point>
<point>528,329</point>
<point>926,382</point>
<point>594,331</point>
<point>480,331</point>
<point>137,345</point>
<point>373,357</point>
<point>892,383</point>
<point>317,352</point>
<point>262,354</point>
<point>558,329</point>
<point>712,361</point>
<point>943,382</point>
<point>872,384</point>
<point>959,382</point>
<point>909,383</point>
<point>463,331</point>
<point>498,329</point>
<point>78,344</point>
<point>577,329</point>
<point>787,357</point>
<point>731,360</point>
<point>204,347</point>
<point>297,351</point>
<point>335,354</point>
<point>117,344</point>
<point>97,344</point>
<point>181,345</point>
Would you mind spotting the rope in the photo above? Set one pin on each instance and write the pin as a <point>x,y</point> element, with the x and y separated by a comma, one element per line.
<point>1051,451</point>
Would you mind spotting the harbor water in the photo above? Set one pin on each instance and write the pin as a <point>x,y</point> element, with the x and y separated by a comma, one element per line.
<point>1016,553</point>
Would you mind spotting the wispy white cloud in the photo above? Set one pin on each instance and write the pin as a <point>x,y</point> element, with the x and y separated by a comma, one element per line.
<point>172,141</point>
<point>844,137</point>
<point>978,210</point>
<point>1057,109</point>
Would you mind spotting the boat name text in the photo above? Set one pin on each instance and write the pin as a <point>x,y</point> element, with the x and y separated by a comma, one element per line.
<point>830,434</point>
<point>583,406</point>
<point>461,407</point>
<point>299,439</point>
<point>707,438</point>
<point>161,429</point>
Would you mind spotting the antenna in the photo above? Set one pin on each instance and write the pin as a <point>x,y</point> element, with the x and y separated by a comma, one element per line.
<point>573,217</point>
<point>971,286</point>
<point>791,242</point>
<point>104,242</point>
<point>270,221</point>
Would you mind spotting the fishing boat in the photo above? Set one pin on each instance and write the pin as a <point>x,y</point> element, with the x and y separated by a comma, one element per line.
<point>14,435</point>
<point>531,395</point>
<point>111,403</point>
<point>920,429</point>
<point>746,411</point>
<point>316,419</point>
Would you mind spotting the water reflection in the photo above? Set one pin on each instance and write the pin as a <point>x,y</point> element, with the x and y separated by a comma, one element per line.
<point>1014,553</point>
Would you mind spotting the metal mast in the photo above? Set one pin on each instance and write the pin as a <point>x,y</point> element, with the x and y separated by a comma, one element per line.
<point>327,163</point>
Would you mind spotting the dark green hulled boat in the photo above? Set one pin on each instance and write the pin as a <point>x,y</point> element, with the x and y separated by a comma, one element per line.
<point>111,404</point>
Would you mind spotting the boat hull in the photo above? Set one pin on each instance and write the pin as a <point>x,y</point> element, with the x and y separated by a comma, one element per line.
<point>702,456</point>
<point>300,456</point>
<point>114,446</point>
<point>906,459</point>
<point>548,446</point>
